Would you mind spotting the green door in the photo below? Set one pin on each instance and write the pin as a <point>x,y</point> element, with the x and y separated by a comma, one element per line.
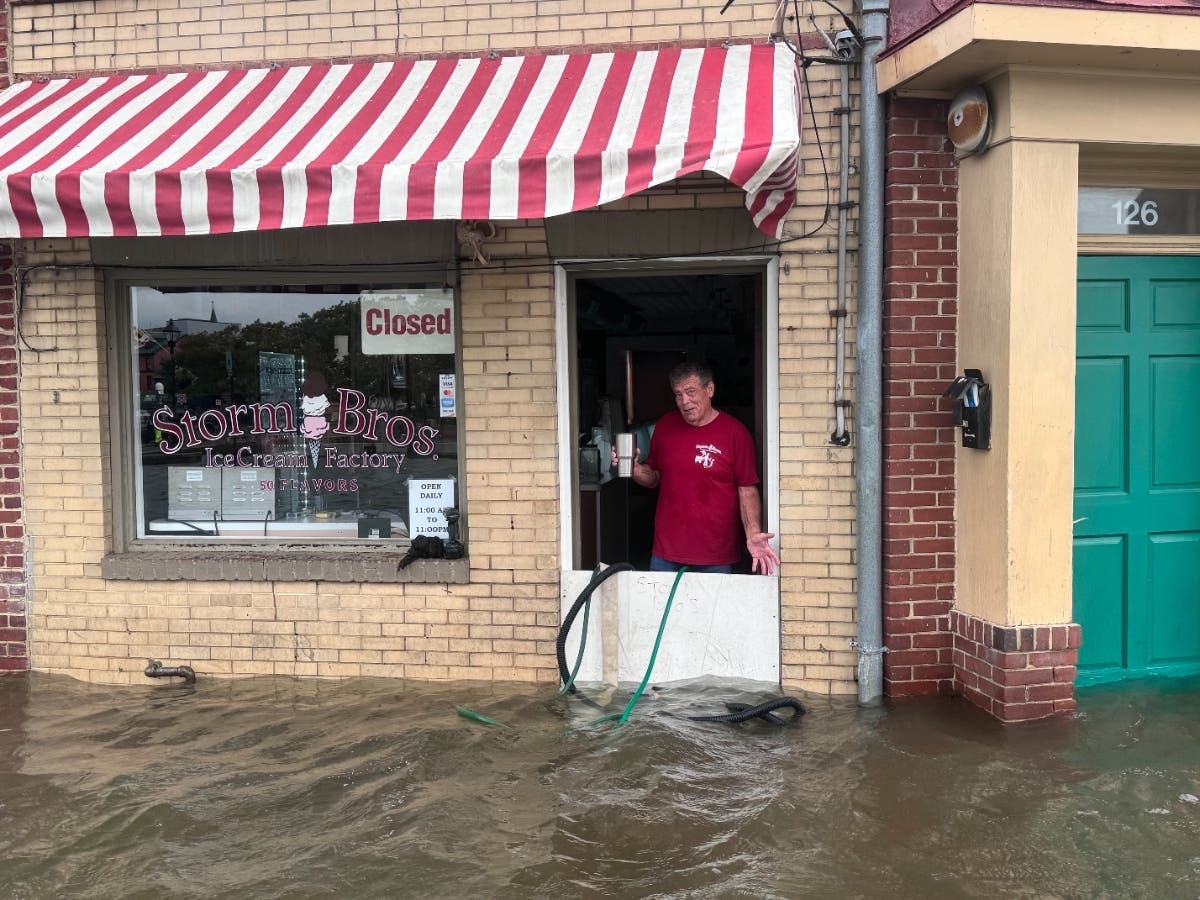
<point>1137,467</point>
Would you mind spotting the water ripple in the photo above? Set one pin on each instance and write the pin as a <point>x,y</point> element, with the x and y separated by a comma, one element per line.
<point>282,788</point>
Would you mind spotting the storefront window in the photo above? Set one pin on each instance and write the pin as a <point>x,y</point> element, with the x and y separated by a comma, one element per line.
<point>294,414</point>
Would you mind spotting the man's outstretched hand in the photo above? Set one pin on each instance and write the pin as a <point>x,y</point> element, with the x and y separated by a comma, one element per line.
<point>762,554</point>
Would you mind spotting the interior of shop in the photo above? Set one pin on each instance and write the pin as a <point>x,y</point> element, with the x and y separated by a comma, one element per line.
<point>630,330</point>
<point>241,414</point>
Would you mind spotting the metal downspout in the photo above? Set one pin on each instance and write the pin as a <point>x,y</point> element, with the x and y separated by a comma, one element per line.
<point>869,472</point>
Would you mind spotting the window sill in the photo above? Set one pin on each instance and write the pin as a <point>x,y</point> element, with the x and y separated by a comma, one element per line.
<point>313,564</point>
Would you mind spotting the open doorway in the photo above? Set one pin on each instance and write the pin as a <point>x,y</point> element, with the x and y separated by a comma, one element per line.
<point>629,330</point>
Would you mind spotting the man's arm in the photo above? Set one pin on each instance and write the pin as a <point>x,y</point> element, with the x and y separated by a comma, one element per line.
<point>763,555</point>
<point>643,474</point>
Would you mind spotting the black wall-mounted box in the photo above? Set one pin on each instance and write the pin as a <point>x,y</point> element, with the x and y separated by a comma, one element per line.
<point>972,408</point>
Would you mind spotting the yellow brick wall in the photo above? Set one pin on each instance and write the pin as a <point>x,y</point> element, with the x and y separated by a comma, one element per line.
<point>503,624</point>
<point>817,494</point>
<point>84,36</point>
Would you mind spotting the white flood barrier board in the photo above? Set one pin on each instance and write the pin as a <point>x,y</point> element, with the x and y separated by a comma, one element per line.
<point>724,626</point>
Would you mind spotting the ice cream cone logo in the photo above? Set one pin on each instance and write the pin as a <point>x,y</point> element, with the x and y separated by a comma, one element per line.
<point>313,405</point>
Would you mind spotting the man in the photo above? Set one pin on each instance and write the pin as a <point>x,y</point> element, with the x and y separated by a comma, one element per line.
<point>703,463</point>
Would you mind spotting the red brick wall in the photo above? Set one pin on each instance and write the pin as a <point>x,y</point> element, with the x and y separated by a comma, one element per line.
<point>920,338</point>
<point>13,652</point>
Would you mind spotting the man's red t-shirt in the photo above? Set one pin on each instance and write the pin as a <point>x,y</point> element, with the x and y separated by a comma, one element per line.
<point>698,521</point>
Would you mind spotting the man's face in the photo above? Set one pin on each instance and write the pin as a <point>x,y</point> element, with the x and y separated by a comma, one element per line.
<point>694,400</point>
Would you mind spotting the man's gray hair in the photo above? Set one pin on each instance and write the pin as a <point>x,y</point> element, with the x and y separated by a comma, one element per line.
<point>686,370</point>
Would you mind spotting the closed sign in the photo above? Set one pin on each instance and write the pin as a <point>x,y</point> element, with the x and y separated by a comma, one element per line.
<point>397,324</point>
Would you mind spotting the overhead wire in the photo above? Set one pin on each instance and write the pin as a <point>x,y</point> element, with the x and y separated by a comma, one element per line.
<point>20,286</point>
<point>840,435</point>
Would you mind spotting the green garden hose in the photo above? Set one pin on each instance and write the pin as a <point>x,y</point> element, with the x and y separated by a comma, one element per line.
<point>662,626</point>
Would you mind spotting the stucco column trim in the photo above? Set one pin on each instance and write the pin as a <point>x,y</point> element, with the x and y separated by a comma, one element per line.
<point>1018,251</point>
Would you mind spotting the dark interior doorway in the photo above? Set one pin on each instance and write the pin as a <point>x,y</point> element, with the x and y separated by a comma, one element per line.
<point>630,330</point>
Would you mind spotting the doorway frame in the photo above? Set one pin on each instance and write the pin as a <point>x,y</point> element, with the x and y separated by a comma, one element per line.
<point>565,273</point>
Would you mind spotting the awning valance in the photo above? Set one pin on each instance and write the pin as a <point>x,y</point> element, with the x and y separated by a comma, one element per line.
<point>283,147</point>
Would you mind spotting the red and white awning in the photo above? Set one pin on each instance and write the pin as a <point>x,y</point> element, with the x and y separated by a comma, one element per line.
<point>507,138</point>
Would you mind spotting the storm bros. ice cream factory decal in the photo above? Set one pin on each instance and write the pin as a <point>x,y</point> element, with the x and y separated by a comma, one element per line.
<point>354,419</point>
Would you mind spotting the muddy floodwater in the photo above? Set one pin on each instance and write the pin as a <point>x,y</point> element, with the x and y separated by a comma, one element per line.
<point>283,788</point>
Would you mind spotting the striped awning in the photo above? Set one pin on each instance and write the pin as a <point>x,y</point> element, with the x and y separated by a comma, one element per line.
<point>509,138</point>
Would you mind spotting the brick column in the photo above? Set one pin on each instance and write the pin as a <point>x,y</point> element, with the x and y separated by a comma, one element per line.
<point>920,339</point>
<point>14,654</point>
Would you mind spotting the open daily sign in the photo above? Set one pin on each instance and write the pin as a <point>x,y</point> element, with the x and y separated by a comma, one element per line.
<point>428,499</point>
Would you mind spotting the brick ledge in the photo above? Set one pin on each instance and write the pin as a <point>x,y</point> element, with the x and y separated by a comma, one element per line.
<point>277,565</point>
